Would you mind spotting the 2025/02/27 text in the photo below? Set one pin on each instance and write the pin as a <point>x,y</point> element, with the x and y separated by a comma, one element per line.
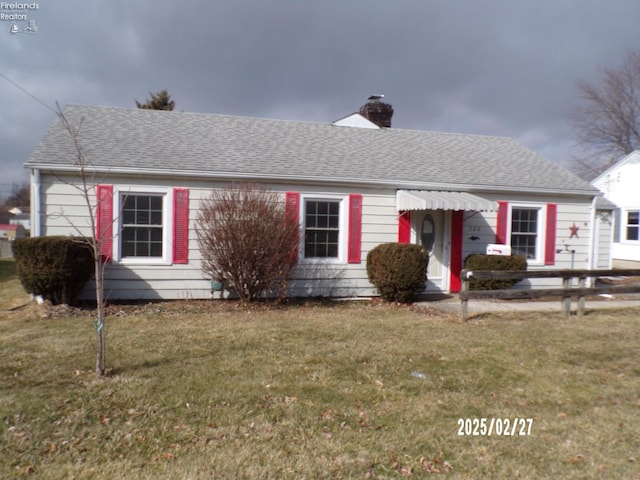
<point>494,426</point>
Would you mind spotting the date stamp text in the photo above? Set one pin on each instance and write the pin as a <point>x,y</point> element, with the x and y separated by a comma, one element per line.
<point>484,427</point>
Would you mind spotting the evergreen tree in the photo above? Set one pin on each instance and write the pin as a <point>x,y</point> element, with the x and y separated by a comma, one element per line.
<point>158,101</point>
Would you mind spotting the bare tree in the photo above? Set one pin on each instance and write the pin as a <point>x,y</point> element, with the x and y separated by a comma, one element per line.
<point>19,197</point>
<point>608,122</point>
<point>247,240</point>
<point>88,191</point>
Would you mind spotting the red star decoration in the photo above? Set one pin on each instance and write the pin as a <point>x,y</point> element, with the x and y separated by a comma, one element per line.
<point>574,231</point>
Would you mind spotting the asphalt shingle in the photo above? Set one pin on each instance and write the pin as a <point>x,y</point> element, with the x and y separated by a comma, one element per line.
<point>149,141</point>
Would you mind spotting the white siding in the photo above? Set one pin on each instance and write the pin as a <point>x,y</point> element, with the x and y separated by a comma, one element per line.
<point>604,230</point>
<point>379,225</point>
<point>480,230</point>
<point>65,213</point>
<point>620,186</point>
<point>64,208</point>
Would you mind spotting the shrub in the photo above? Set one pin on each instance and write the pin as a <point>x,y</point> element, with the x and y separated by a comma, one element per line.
<point>398,270</point>
<point>494,262</point>
<point>56,268</point>
<point>247,240</point>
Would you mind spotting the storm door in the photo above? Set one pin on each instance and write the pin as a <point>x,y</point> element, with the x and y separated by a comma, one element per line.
<point>429,228</point>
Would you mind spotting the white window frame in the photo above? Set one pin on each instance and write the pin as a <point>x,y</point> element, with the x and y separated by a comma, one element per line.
<point>540,233</point>
<point>342,225</point>
<point>167,216</point>
<point>624,224</point>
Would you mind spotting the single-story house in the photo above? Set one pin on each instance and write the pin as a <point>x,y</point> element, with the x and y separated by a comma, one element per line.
<point>355,183</point>
<point>619,184</point>
<point>12,231</point>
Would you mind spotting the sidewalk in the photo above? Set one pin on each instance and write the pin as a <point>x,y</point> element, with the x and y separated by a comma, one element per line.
<point>452,304</point>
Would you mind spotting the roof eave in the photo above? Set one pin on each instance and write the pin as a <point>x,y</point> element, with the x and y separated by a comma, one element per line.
<point>255,176</point>
<point>622,161</point>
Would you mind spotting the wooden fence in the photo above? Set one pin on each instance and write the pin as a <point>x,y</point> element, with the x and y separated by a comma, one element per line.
<point>565,293</point>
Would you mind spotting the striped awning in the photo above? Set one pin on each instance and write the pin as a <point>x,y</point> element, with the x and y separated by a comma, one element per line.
<point>438,200</point>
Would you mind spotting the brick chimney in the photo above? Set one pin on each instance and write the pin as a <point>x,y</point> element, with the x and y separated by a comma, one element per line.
<point>377,111</point>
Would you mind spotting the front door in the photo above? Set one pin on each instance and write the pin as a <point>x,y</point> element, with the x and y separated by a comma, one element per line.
<point>428,228</point>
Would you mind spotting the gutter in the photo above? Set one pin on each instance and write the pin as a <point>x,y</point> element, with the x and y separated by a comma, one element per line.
<point>36,204</point>
<point>395,184</point>
<point>591,261</point>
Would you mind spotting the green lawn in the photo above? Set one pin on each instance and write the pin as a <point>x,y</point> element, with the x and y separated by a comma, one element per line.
<point>203,391</point>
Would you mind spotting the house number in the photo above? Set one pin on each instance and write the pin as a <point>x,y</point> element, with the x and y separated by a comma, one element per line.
<point>474,228</point>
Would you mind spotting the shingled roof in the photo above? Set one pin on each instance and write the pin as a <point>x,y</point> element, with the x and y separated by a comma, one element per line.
<point>140,141</point>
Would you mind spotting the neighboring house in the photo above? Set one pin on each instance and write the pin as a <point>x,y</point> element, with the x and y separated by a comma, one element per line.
<point>16,216</point>
<point>352,185</point>
<point>11,232</point>
<point>620,185</point>
<point>23,219</point>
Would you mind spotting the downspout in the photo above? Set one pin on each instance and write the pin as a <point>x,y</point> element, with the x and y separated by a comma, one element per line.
<point>36,204</point>
<point>591,262</point>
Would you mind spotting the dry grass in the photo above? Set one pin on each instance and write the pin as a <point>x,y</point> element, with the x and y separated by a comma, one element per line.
<point>317,391</point>
<point>11,293</point>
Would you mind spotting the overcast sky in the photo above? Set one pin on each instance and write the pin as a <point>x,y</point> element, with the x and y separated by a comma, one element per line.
<point>488,67</point>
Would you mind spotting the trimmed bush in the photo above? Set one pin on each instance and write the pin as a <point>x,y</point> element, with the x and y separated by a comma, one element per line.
<point>398,270</point>
<point>56,268</point>
<point>494,262</point>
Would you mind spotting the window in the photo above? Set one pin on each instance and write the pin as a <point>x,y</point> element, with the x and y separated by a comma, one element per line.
<point>530,230</point>
<point>146,225</point>
<point>524,232</point>
<point>322,229</point>
<point>331,226</point>
<point>633,225</point>
<point>142,231</point>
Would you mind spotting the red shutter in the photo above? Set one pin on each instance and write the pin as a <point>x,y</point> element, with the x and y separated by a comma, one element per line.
<point>501,224</point>
<point>292,211</point>
<point>180,225</point>
<point>354,243</point>
<point>104,221</point>
<point>457,225</point>
<point>550,235</point>
<point>404,227</point>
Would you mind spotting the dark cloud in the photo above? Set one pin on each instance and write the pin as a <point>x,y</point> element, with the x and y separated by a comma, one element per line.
<point>493,67</point>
